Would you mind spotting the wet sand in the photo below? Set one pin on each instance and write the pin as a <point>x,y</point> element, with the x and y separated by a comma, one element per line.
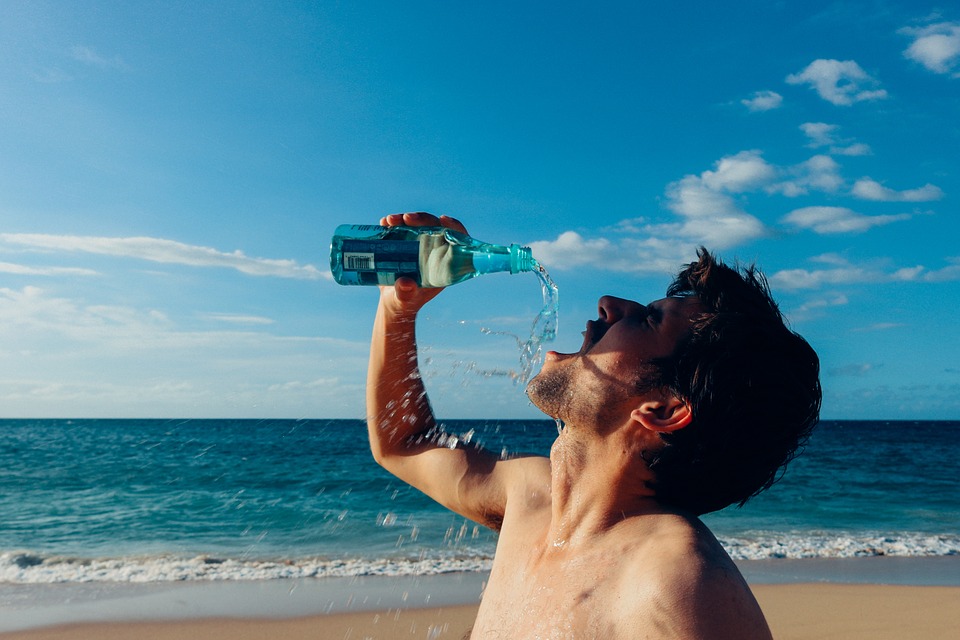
<point>794,611</point>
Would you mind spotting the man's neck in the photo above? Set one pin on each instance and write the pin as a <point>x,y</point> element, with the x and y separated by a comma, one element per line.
<point>597,483</point>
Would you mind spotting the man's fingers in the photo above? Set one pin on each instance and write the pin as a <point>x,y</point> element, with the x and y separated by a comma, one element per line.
<point>422,219</point>
<point>453,223</point>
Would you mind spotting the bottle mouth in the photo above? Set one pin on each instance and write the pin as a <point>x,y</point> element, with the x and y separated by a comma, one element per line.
<point>521,259</point>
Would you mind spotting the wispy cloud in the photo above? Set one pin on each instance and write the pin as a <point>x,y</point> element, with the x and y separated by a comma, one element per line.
<point>816,306</point>
<point>946,274</point>
<point>856,370</point>
<point>796,279</point>
<point>839,271</point>
<point>238,319</point>
<point>819,173</point>
<point>869,189</point>
<point>23,270</point>
<point>879,326</point>
<point>835,300</point>
<point>935,46</point>
<point>165,251</point>
<point>830,220</point>
<point>842,83</point>
<point>53,75</point>
<point>51,342</point>
<point>822,134</point>
<point>90,57</point>
<point>763,101</point>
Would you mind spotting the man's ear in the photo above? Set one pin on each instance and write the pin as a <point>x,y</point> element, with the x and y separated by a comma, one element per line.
<point>663,413</point>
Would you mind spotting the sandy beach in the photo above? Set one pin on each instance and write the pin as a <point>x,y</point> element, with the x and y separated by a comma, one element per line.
<point>794,611</point>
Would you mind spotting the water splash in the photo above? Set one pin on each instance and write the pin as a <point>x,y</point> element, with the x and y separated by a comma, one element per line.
<point>544,328</point>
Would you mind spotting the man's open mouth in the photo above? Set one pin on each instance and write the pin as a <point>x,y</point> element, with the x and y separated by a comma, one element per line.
<point>594,332</point>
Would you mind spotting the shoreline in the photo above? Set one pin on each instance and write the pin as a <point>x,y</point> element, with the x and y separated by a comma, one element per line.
<point>794,612</point>
<point>383,605</point>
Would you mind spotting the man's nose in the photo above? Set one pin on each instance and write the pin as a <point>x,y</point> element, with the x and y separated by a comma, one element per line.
<point>612,309</point>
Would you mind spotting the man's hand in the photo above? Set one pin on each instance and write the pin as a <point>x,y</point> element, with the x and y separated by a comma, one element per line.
<point>404,299</point>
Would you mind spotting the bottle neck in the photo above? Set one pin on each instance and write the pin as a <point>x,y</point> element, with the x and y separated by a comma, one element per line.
<point>521,259</point>
<point>513,259</point>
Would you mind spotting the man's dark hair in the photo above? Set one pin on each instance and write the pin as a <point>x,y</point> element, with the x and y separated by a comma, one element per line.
<point>752,386</point>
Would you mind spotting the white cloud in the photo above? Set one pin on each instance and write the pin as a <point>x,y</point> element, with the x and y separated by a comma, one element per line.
<point>744,171</point>
<point>147,365</point>
<point>822,134</point>
<point>855,149</point>
<point>836,300</point>
<point>842,272</point>
<point>839,82</point>
<point>812,307</point>
<point>706,213</point>
<point>820,173</point>
<point>879,326</point>
<point>763,101</point>
<point>570,249</point>
<point>936,46</point>
<point>232,318</point>
<point>23,270</point>
<point>869,189</point>
<point>854,369</point>
<point>825,220</point>
<point>710,217</point>
<point>793,279</point>
<point>709,211</point>
<point>949,273</point>
<point>830,258</point>
<point>167,252</point>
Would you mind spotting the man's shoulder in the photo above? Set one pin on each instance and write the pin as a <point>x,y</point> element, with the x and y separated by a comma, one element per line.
<point>684,553</point>
<point>685,573</point>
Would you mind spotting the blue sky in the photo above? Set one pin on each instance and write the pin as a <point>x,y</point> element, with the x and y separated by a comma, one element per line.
<point>170,177</point>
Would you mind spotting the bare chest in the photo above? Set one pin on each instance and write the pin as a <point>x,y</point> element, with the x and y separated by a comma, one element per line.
<point>529,596</point>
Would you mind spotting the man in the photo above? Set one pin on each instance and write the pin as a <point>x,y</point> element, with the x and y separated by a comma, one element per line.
<point>672,409</point>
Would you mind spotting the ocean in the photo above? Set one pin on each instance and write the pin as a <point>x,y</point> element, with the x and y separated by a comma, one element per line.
<point>88,501</point>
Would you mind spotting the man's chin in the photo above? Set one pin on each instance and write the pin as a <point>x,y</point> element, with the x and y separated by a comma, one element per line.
<point>547,389</point>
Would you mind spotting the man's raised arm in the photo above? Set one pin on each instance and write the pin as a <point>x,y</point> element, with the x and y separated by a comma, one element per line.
<point>404,436</point>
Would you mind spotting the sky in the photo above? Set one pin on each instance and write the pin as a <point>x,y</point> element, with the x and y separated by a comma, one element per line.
<point>171,175</point>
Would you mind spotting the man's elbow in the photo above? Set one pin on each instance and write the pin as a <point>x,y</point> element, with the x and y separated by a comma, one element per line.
<point>384,457</point>
<point>379,456</point>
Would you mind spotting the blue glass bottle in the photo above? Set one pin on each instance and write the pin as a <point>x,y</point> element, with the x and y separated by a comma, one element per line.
<point>433,256</point>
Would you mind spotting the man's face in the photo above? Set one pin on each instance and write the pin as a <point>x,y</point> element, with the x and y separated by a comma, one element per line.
<point>602,380</point>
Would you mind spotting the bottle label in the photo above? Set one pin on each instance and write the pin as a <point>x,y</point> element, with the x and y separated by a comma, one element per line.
<point>379,261</point>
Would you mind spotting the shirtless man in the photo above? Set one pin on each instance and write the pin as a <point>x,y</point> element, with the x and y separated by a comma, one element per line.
<point>672,409</point>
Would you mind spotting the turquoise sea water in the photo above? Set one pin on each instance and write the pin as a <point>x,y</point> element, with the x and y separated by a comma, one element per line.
<point>158,500</point>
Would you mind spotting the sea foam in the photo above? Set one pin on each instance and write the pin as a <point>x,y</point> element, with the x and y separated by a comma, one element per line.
<point>25,567</point>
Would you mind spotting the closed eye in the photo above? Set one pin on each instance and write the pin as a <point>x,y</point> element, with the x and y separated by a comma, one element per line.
<point>654,317</point>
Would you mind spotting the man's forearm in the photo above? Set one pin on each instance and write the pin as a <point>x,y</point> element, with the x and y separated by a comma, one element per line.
<point>397,404</point>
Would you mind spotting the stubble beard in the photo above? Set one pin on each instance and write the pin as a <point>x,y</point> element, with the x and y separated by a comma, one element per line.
<point>558,395</point>
<point>561,395</point>
<point>549,392</point>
